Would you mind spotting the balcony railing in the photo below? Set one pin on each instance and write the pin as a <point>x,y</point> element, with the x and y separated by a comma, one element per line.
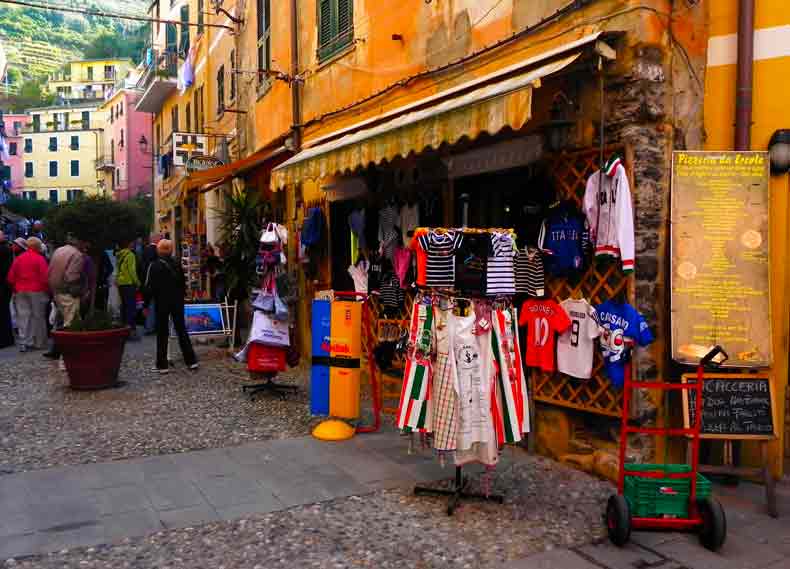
<point>164,66</point>
<point>104,163</point>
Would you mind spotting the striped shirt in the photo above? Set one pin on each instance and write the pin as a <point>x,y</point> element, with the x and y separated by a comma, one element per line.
<point>500,279</point>
<point>530,276</point>
<point>440,249</point>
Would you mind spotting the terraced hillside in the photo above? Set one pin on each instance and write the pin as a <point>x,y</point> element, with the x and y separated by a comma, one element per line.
<point>37,42</point>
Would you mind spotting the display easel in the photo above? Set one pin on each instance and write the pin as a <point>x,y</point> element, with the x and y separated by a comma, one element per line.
<point>227,330</point>
<point>762,472</point>
<point>458,492</point>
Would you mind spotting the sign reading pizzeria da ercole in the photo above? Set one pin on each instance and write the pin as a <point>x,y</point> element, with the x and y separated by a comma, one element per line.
<point>200,162</point>
<point>720,256</point>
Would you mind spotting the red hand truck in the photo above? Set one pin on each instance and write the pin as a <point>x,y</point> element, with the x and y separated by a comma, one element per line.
<point>705,514</point>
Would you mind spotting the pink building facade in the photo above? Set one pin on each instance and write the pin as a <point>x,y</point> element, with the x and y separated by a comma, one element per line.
<point>14,126</point>
<point>128,161</point>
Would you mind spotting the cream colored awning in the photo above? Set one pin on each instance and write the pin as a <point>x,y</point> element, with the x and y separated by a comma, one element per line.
<point>488,109</point>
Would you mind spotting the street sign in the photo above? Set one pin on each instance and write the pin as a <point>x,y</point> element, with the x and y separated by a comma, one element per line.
<point>200,162</point>
<point>186,144</point>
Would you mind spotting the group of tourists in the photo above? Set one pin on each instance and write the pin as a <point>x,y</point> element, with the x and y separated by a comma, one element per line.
<point>41,289</point>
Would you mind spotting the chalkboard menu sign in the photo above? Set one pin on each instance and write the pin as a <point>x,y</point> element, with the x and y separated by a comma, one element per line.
<point>733,406</point>
<point>720,253</point>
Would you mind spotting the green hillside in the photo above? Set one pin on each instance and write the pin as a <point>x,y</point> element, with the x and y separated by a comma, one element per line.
<point>38,42</point>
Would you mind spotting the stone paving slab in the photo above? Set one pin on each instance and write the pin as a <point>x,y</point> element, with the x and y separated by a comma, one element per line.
<point>65,507</point>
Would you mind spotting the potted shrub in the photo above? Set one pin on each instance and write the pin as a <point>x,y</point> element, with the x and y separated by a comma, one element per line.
<point>92,350</point>
<point>93,347</point>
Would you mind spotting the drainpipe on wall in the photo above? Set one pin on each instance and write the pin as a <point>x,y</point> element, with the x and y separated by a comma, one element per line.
<point>743,88</point>
<point>296,101</point>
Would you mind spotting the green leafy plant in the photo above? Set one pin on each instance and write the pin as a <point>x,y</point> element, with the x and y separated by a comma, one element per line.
<point>100,221</point>
<point>96,321</point>
<point>241,229</point>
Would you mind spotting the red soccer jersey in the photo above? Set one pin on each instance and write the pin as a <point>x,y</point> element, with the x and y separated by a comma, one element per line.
<point>544,319</point>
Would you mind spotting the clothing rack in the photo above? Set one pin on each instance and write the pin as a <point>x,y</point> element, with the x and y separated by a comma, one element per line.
<point>458,492</point>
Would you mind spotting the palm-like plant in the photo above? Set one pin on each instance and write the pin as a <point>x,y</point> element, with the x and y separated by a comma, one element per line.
<point>241,229</point>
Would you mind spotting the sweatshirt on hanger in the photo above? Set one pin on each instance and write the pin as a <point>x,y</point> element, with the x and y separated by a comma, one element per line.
<point>607,205</point>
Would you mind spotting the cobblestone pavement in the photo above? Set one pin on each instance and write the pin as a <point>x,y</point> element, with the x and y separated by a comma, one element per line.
<point>286,503</point>
<point>45,424</point>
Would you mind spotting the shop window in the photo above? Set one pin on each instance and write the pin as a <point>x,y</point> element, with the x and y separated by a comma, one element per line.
<point>75,168</point>
<point>53,169</point>
<point>28,169</point>
<point>335,27</point>
<point>12,148</point>
<point>28,145</point>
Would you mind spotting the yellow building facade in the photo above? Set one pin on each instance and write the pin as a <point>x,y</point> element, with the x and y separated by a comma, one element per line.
<point>771,84</point>
<point>87,79</point>
<point>62,147</point>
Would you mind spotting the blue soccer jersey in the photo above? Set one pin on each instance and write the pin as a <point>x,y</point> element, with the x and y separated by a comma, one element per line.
<point>621,324</point>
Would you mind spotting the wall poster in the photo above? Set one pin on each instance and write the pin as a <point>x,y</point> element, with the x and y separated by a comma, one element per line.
<point>720,257</point>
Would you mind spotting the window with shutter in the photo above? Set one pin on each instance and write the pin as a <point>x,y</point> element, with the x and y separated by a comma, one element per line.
<point>171,38</point>
<point>335,27</point>
<point>264,40</point>
<point>183,47</point>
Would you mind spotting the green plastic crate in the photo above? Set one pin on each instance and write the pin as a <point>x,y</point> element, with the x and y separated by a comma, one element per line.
<point>661,497</point>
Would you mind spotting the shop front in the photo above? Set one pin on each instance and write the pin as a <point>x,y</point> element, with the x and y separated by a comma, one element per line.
<point>519,150</point>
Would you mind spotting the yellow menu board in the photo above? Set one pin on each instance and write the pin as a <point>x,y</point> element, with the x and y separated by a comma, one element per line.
<point>720,278</point>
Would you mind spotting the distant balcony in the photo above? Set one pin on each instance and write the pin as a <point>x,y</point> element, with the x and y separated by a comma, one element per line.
<point>158,82</point>
<point>105,164</point>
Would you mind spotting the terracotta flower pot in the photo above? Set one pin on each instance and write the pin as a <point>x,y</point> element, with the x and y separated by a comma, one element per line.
<point>92,359</point>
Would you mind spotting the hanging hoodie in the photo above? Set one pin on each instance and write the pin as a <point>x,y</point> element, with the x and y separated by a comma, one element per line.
<point>564,237</point>
<point>607,205</point>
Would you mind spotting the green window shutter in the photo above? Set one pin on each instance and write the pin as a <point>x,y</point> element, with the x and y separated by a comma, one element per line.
<point>325,27</point>
<point>184,47</point>
<point>336,26</point>
<point>345,19</point>
<point>172,38</point>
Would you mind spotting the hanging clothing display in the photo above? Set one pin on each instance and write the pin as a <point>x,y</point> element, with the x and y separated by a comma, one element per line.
<point>544,319</point>
<point>409,221</point>
<point>471,261</point>
<point>445,385</point>
<point>359,274</point>
<point>420,255</point>
<point>530,274</point>
<point>389,217</point>
<point>564,237</point>
<point>607,205</point>
<point>401,262</point>
<point>621,324</point>
<point>440,248</point>
<point>500,277</point>
<point>392,296</point>
<point>576,345</point>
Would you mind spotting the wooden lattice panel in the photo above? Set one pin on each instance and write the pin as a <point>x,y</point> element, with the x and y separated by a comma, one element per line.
<point>601,282</point>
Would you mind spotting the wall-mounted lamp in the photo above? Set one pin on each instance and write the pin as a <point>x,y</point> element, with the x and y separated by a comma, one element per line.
<point>558,128</point>
<point>779,151</point>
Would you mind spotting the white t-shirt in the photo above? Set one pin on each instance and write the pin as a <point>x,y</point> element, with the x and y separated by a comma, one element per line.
<point>576,345</point>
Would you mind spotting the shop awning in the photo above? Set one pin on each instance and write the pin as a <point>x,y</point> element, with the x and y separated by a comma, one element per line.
<point>213,177</point>
<point>489,109</point>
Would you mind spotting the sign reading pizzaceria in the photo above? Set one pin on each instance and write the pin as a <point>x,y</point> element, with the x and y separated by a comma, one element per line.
<point>720,257</point>
<point>200,162</point>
